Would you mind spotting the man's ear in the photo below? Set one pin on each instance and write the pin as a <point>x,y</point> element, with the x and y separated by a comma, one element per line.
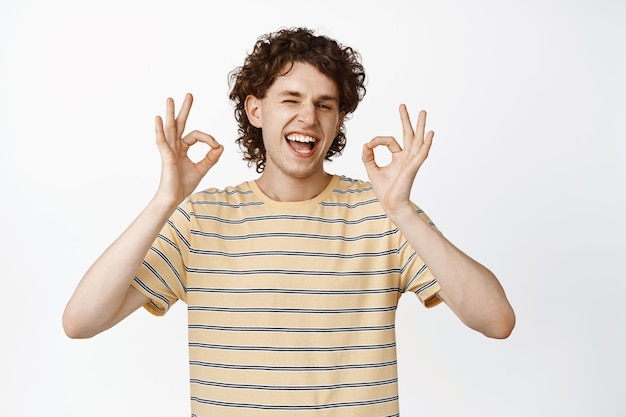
<point>253,111</point>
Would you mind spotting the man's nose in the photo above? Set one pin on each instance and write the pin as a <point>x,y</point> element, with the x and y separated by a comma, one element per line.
<point>307,114</point>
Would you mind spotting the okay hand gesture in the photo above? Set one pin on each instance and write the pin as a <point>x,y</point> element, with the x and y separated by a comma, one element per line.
<point>392,183</point>
<point>180,175</point>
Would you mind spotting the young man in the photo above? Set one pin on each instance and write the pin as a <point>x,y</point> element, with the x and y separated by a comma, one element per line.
<point>291,280</point>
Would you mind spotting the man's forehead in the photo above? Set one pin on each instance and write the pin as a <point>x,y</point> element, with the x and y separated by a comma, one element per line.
<point>300,79</point>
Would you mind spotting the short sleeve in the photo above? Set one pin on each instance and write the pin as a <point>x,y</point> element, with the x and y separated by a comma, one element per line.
<point>161,276</point>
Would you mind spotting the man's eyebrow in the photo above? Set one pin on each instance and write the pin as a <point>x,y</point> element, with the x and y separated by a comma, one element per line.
<point>328,97</point>
<point>289,94</point>
<point>323,97</point>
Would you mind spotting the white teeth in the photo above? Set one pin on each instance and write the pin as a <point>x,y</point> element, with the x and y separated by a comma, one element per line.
<point>300,138</point>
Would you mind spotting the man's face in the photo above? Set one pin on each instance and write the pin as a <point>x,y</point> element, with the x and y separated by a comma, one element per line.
<point>299,117</point>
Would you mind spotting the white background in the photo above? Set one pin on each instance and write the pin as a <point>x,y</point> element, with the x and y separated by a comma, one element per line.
<point>527,174</point>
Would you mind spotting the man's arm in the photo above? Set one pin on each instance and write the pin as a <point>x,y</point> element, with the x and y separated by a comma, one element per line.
<point>104,295</point>
<point>468,288</point>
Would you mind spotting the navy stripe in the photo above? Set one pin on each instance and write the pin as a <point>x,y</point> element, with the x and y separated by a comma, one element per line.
<point>183,212</point>
<point>172,268</point>
<point>294,291</point>
<point>292,349</point>
<point>293,253</point>
<point>294,407</point>
<point>294,387</point>
<point>292,329</point>
<point>301,273</point>
<point>156,274</point>
<point>292,310</point>
<point>290,218</point>
<point>231,191</point>
<point>348,205</point>
<point>153,294</point>
<point>426,286</point>
<point>170,242</point>
<point>293,235</point>
<point>294,368</point>
<point>226,203</point>
<point>421,270</point>
<point>179,234</point>
<point>408,262</point>
<point>352,190</point>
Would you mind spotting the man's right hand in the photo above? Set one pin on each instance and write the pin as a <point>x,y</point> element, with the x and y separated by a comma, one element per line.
<point>180,175</point>
<point>104,295</point>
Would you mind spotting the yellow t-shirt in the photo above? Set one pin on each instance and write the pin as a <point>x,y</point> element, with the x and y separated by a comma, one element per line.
<point>291,306</point>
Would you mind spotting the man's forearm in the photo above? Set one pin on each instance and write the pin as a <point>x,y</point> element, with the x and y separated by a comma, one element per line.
<point>470,289</point>
<point>98,299</point>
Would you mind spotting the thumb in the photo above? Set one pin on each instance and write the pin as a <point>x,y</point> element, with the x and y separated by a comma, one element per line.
<point>210,159</point>
<point>368,157</point>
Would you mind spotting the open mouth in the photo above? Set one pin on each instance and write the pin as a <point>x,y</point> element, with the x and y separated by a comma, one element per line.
<point>302,144</point>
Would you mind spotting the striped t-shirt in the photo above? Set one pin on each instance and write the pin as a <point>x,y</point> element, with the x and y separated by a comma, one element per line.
<point>291,305</point>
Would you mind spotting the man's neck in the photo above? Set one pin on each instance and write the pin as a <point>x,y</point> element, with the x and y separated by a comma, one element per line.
<point>288,189</point>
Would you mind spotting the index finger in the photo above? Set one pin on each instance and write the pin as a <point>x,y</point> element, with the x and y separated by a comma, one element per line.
<point>181,118</point>
<point>198,136</point>
<point>407,128</point>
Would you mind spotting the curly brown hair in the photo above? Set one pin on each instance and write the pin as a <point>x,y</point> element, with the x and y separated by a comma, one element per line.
<point>271,53</point>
